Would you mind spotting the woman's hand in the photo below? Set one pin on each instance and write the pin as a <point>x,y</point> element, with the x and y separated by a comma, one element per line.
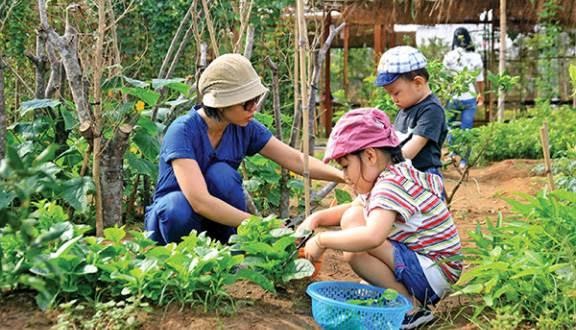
<point>480,99</point>
<point>313,250</point>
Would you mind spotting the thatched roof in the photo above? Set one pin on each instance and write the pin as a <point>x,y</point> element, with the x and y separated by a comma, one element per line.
<point>521,14</point>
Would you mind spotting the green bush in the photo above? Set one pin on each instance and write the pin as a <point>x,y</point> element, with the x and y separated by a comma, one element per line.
<point>519,138</point>
<point>526,264</point>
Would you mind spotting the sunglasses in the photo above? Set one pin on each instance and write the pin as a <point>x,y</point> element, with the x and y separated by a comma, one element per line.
<point>250,104</point>
<point>254,104</point>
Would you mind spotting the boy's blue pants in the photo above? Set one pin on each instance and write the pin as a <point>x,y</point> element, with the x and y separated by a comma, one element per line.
<point>170,217</point>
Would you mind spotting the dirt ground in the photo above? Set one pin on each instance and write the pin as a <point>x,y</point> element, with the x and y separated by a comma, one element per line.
<point>478,198</point>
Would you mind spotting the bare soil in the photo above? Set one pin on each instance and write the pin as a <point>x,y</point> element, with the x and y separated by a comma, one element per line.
<point>478,198</point>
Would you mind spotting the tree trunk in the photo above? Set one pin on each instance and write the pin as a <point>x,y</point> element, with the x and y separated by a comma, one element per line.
<point>111,177</point>
<point>2,111</point>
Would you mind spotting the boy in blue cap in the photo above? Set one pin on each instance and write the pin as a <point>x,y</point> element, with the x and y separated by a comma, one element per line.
<point>421,122</point>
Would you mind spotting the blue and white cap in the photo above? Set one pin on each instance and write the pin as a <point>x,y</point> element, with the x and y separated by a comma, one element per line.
<point>396,61</point>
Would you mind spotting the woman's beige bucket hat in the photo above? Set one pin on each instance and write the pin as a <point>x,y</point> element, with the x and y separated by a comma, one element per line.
<point>230,79</point>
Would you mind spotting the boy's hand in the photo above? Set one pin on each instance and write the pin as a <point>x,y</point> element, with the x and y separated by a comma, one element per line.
<point>313,250</point>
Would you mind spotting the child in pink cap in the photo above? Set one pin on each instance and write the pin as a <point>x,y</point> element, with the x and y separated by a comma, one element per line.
<point>398,233</point>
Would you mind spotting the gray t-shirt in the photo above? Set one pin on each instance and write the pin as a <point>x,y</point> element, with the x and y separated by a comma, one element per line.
<point>426,119</point>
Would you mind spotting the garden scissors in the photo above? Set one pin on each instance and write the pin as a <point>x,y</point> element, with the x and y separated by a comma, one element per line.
<point>298,247</point>
<point>293,222</point>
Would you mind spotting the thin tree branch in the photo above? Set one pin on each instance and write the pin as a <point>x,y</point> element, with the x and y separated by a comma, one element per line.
<point>168,57</point>
<point>18,76</point>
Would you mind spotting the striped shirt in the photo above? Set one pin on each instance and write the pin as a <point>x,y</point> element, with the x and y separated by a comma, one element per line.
<point>423,223</point>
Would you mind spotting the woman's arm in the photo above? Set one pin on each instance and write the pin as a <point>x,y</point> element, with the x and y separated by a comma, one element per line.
<point>293,160</point>
<point>479,93</point>
<point>191,181</point>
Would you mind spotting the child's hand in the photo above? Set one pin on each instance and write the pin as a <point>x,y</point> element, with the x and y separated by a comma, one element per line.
<point>308,225</point>
<point>313,250</point>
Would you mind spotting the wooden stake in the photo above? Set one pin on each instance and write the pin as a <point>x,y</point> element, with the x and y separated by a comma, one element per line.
<point>210,28</point>
<point>302,47</point>
<point>346,55</point>
<point>546,151</point>
<point>502,58</point>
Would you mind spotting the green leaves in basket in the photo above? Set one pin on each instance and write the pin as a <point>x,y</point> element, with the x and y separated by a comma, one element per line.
<point>387,298</point>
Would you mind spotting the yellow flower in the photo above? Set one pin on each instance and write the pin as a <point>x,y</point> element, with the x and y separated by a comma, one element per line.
<point>133,149</point>
<point>139,106</point>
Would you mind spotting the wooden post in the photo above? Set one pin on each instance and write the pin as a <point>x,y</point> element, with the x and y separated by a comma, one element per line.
<point>327,88</point>
<point>2,111</point>
<point>302,47</point>
<point>502,58</point>
<point>346,54</point>
<point>546,151</point>
<point>377,43</point>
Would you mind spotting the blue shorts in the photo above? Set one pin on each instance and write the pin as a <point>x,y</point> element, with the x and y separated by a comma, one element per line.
<point>408,271</point>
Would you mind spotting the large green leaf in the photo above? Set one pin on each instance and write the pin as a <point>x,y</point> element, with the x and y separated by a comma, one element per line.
<point>62,230</point>
<point>114,234</point>
<point>135,82</point>
<point>256,278</point>
<point>304,268</point>
<point>75,192</point>
<point>148,144</point>
<point>139,165</point>
<point>148,125</point>
<point>176,84</point>
<point>48,154</point>
<point>6,198</point>
<point>146,95</point>
<point>35,104</point>
<point>69,117</point>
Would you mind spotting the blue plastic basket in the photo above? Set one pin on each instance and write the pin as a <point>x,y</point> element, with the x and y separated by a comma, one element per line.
<point>331,311</point>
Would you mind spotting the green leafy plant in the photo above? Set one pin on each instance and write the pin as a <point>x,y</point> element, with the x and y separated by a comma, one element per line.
<point>527,262</point>
<point>519,138</point>
<point>503,81</point>
<point>270,250</point>
<point>264,183</point>
<point>113,315</point>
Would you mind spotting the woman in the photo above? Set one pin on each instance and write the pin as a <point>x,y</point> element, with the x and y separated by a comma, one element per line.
<point>198,185</point>
<point>463,57</point>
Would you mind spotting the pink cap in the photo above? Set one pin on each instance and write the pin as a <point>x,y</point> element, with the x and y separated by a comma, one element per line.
<point>360,129</point>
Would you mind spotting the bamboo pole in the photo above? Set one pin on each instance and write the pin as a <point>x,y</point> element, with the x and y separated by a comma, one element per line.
<point>502,58</point>
<point>345,81</point>
<point>296,121</point>
<point>546,150</point>
<point>210,28</point>
<point>97,89</point>
<point>302,47</point>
